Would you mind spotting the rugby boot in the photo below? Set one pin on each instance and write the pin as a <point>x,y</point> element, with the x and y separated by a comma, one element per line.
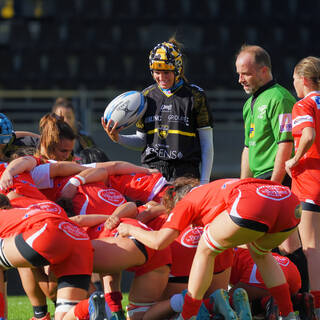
<point>271,309</point>
<point>97,306</point>
<point>222,306</point>
<point>241,304</point>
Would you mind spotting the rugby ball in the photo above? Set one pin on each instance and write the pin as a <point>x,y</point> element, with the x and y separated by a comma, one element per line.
<point>126,109</point>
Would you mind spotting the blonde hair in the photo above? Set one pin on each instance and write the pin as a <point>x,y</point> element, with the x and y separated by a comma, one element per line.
<point>309,68</point>
<point>52,129</point>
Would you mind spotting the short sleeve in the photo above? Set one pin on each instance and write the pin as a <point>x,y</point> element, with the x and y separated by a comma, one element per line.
<point>281,119</point>
<point>41,176</point>
<point>180,217</point>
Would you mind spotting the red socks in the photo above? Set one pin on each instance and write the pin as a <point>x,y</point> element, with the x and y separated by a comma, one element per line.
<point>2,305</point>
<point>316,295</point>
<point>209,305</point>
<point>81,311</point>
<point>114,300</point>
<point>190,307</point>
<point>282,296</point>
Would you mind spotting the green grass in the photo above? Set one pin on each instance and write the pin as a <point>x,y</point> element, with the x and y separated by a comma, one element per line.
<point>19,307</point>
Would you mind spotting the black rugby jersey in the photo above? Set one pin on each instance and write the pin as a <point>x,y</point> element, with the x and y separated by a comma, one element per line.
<point>171,121</point>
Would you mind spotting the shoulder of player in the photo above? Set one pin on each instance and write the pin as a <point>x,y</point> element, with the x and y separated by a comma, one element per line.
<point>280,92</point>
<point>307,101</point>
<point>149,89</point>
<point>195,89</point>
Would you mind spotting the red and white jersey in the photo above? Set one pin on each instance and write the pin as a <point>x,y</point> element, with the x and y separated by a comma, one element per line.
<point>245,270</point>
<point>96,198</point>
<point>44,205</point>
<point>53,193</point>
<point>91,198</point>
<point>23,184</point>
<point>138,187</point>
<point>18,220</point>
<point>306,174</point>
<point>261,201</point>
<point>184,248</point>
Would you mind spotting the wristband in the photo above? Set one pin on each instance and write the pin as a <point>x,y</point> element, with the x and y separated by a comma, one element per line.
<point>77,180</point>
<point>81,179</point>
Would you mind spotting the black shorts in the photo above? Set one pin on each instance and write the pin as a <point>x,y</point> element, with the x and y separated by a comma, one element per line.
<point>310,207</point>
<point>174,169</point>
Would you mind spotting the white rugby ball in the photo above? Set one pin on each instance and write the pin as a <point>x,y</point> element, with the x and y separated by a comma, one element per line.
<point>126,109</point>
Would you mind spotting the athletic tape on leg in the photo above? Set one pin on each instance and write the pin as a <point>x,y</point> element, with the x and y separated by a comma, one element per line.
<point>134,307</point>
<point>211,243</point>
<point>64,305</point>
<point>259,250</point>
<point>4,262</point>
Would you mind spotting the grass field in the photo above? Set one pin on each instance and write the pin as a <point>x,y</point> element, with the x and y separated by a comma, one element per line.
<point>19,307</point>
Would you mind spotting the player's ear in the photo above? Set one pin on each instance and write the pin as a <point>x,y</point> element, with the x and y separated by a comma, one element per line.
<point>306,81</point>
<point>265,70</point>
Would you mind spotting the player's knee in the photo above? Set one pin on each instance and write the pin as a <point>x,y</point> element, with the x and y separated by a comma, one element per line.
<point>258,249</point>
<point>212,244</point>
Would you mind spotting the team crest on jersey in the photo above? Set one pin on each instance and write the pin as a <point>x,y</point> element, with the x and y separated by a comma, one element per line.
<point>191,237</point>
<point>283,261</point>
<point>274,192</point>
<point>73,231</point>
<point>111,196</point>
<point>163,132</point>
<point>46,206</point>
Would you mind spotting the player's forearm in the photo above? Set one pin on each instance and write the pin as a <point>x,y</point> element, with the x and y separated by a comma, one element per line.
<point>89,220</point>
<point>94,175</point>
<point>245,168</point>
<point>65,168</point>
<point>126,210</point>
<point>307,138</point>
<point>207,152</point>
<point>123,167</point>
<point>20,165</point>
<point>133,141</point>
<point>283,154</point>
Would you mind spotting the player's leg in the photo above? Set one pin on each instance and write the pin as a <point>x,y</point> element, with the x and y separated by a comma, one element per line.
<point>270,270</point>
<point>71,290</point>
<point>35,295</point>
<point>122,252</point>
<point>214,240</point>
<point>3,296</point>
<point>145,290</point>
<point>113,294</point>
<point>310,237</point>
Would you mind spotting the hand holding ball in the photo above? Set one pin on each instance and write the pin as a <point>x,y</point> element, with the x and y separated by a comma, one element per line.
<point>126,109</point>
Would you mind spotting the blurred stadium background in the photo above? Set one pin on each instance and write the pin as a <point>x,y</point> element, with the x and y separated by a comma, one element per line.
<point>91,50</point>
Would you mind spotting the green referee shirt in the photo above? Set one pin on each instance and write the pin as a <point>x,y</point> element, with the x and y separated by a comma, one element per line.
<point>267,118</point>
